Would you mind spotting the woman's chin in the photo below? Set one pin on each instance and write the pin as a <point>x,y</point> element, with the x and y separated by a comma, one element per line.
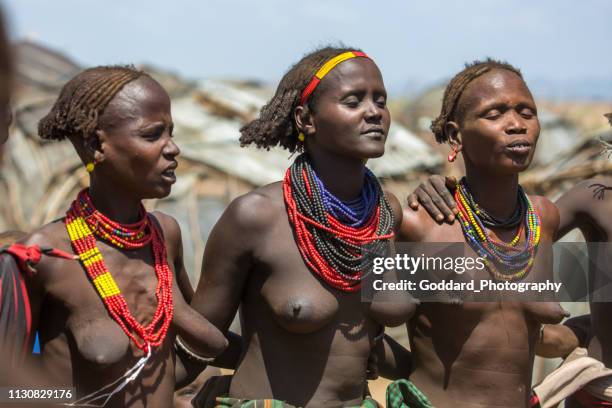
<point>508,170</point>
<point>372,151</point>
<point>159,192</point>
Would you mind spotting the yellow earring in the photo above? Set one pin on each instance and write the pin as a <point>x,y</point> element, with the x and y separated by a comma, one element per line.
<point>90,167</point>
<point>301,137</point>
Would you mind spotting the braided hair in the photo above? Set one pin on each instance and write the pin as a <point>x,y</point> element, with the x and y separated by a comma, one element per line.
<point>275,125</point>
<point>455,89</point>
<point>82,101</point>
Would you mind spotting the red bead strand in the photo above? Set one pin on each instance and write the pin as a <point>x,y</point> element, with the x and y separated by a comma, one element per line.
<point>84,222</point>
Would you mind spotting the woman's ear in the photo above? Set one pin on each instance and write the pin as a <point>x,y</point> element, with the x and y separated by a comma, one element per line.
<point>303,120</point>
<point>452,132</point>
<point>94,146</point>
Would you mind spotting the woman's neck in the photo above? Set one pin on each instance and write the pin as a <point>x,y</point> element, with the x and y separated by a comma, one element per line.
<point>494,193</point>
<point>343,177</point>
<point>114,204</point>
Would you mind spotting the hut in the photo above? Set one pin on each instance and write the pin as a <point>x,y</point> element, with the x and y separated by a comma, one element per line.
<point>40,178</point>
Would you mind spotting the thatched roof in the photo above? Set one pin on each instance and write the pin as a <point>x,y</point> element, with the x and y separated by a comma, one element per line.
<point>40,178</point>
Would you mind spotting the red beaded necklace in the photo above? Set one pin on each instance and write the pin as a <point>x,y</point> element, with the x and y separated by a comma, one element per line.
<point>336,252</point>
<point>82,222</point>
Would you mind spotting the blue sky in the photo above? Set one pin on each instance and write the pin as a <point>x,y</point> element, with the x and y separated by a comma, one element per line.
<point>412,41</point>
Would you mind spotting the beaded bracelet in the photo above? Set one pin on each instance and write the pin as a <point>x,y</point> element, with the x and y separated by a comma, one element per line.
<point>180,345</point>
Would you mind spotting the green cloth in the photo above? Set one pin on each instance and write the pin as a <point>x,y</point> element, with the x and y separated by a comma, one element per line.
<point>404,394</point>
<point>226,402</point>
<point>214,395</point>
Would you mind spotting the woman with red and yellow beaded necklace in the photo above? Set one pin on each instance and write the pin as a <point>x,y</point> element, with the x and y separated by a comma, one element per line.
<point>107,322</point>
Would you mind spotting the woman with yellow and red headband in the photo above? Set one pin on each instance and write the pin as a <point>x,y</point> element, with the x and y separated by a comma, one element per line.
<point>291,253</point>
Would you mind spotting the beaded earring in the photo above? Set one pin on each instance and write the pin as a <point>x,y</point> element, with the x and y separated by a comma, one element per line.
<point>90,167</point>
<point>452,155</point>
<point>301,137</point>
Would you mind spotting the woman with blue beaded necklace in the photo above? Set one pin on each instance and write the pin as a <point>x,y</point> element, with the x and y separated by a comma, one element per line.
<point>290,253</point>
<point>481,354</point>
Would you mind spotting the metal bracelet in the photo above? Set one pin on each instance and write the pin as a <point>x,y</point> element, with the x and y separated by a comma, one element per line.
<point>180,345</point>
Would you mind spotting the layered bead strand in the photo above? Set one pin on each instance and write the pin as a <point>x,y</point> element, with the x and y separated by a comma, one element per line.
<point>124,236</point>
<point>504,260</point>
<point>82,222</point>
<point>337,240</point>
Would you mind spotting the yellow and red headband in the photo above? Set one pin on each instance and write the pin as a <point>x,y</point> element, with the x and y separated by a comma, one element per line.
<point>324,70</point>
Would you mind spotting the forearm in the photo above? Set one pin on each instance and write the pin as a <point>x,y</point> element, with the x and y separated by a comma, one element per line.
<point>556,340</point>
<point>187,368</point>
<point>198,334</point>
<point>394,361</point>
<point>232,354</point>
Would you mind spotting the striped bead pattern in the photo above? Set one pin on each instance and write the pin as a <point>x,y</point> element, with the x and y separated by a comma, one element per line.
<point>504,260</point>
<point>83,223</point>
<point>337,244</point>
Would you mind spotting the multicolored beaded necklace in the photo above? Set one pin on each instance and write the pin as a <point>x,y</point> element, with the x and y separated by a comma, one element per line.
<point>83,223</point>
<point>490,221</point>
<point>335,238</point>
<point>505,261</point>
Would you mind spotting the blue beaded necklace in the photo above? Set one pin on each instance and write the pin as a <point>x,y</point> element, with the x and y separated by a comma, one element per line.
<point>354,213</point>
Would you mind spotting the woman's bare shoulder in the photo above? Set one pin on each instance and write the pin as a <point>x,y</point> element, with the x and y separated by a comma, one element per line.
<point>416,224</point>
<point>53,234</point>
<point>169,225</point>
<point>256,209</point>
<point>549,214</point>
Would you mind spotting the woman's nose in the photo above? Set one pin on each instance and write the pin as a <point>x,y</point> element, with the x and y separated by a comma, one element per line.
<point>172,148</point>
<point>516,124</point>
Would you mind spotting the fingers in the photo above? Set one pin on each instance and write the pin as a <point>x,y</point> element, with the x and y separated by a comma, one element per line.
<point>433,202</point>
<point>434,195</point>
<point>450,182</point>
<point>425,200</point>
<point>413,201</point>
<point>447,206</point>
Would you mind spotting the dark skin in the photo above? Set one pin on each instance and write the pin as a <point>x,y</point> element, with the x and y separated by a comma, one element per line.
<point>586,206</point>
<point>581,207</point>
<point>481,354</point>
<point>80,343</point>
<point>559,340</point>
<point>291,321</point>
